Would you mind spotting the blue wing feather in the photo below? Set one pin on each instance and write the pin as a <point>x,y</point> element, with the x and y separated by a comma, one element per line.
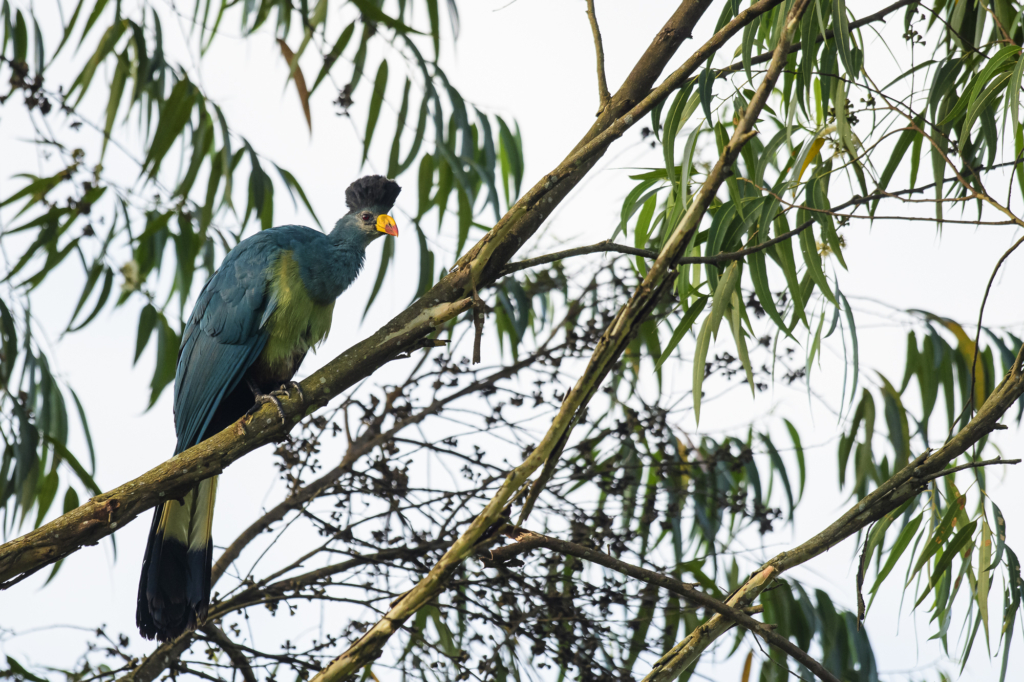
<point>227,329</point>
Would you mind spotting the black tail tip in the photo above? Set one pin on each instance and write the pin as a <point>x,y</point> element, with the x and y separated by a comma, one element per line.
<point>165,625</point>
<point>174,589</point>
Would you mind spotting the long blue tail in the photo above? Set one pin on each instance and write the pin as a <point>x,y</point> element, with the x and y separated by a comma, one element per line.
<point>174,592</point>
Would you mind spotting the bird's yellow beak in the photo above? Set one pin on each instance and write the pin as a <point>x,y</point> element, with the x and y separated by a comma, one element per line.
<point>387,225</point>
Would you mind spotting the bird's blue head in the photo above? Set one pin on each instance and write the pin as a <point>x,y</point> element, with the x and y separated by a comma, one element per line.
<point>368,199</point>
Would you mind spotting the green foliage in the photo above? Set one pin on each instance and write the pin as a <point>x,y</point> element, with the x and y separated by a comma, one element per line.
<point>34,426</point>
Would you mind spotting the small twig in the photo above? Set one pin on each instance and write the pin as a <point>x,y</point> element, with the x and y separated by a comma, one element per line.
<point>478,325</point>
<point>972,465</point>
<point>602,82</point>
<point>981,312</point>
<point>607,246</point>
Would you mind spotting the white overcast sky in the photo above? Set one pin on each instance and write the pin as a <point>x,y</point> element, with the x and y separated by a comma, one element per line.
<point>531,60</point>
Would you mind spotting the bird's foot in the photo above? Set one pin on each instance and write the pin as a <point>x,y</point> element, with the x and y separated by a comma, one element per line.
<point>286,390</point>
<point>261,400</point>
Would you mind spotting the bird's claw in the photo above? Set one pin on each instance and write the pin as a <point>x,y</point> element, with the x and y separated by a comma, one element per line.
<point>261,400</point>
<point>286,390</point>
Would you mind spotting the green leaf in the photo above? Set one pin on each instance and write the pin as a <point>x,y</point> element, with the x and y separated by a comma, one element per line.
<point>67,29</point>
<point>688,154</point>
<point>116,89</point>
<point>787,261</point>
<point>332,56</point>
<point>634,200</point>
<point>174,115</point>
<point>739,336</point>
<point>896,421</point>
<point>90,282</point>
<point>949,553</point>
<point>780,467</point>
<point>689,317</point>
<point>398,167</point>
<point>85,429</point>
<point>908,136</point>
<point>511,152</point>
<point>939,537</point>
<point>1000,537</point>
<point>108,282</point>
<point>979,104</point>
<point>426,263</point>
<point>20,672</point>
<point>294,188</point>
<point>699,358</point>
<point>106,45</point>
<point>759,276</point>
<point>376,99</point>
<point>841,26</point>
<point>1013,92</point>
<point>848,311</point>
<point>372,14</point>
<point>970,93</point>
<point>65,455</point>
<point>166,360</point>
<point>749,35</point>
<point>799,450</point>
<point>642,232</point>
<point>723,293</point>
<point>97,10</point>
<point>386,256</point>
<point>435,26</point>
<point>20,38</point>
<point>809,248</point>
<point>705,89</point>
<point>984,577</point>
<point>902,541</point>
<point>147,319</point>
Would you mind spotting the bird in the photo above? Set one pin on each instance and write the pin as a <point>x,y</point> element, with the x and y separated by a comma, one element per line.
<point>270,302</point>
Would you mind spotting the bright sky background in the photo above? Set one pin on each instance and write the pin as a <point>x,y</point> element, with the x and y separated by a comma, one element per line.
<point>531,60</point>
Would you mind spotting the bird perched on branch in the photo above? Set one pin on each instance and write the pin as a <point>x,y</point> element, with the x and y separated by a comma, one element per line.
<point>270,301</point>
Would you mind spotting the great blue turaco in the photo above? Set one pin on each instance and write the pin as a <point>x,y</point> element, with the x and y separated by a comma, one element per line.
<point>269,303</point>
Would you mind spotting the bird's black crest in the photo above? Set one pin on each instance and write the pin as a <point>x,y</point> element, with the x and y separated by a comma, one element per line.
<point>372,190</point>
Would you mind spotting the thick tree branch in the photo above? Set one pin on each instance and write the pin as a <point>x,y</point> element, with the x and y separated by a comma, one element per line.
<point>602,82</point>
<point>890,495</point>
<point>526,540</point>
<point>606,353</point>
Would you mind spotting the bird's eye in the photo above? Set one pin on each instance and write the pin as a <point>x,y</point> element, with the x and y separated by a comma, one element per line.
<point>366,216</point>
